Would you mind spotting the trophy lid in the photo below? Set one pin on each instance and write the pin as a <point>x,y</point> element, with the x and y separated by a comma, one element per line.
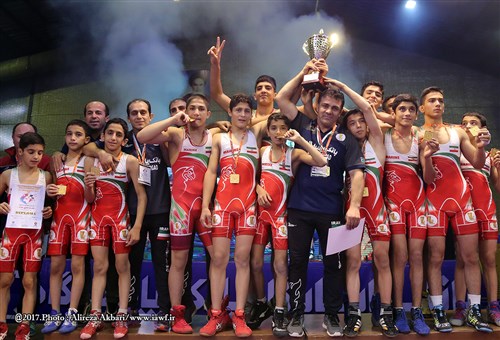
<point>318,45</point>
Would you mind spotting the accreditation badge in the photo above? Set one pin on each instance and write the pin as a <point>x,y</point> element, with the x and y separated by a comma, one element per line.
<point>320,171</point>
<point>144,175</point>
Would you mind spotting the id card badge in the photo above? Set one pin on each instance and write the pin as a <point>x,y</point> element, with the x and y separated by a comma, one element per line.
<point>323,171</point>
<point>144,175</point>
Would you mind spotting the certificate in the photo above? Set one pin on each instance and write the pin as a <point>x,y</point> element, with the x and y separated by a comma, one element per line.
<point>340,238</point>
<point>26,205</point>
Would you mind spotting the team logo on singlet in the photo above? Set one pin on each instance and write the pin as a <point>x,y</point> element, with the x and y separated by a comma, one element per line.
<point>52,235</point>
<point>470,217</point>
<point>392,178</point>
<point>422,221</point>
<point>251,221</point>
<point>431,220</point>
<point>82,236</point>
<point>493,226</point>
<point>92,234</point>
<point>37,254</point>
<point>4,253</point>
<point>179,227</point>
<point>394,216</point>
<point>123,234</point>
<point>340,137</point>
<point>216,219</point>
<point>382,228</point>
<point>282,231</point>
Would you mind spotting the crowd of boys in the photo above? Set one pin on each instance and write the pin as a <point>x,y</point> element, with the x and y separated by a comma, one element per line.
<point>268,175</point>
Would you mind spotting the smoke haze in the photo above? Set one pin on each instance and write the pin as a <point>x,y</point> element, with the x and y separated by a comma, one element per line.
<point>138,43</point>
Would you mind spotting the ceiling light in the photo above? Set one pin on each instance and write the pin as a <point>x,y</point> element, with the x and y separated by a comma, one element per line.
<point>410,4</point>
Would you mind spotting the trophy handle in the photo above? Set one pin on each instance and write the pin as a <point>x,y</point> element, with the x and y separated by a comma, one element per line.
<point>304,48</point>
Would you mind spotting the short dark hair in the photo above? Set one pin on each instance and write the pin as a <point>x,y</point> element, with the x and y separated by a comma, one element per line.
<point>199,96</point>
<point>174,100</point>
<point>116,121</point>
<point>106,108</point>
<point>278,116</point>
<point>428,90</point>
<point>404,97</point>
<point>349,113</point>
<point>138,100</point>
<point>22,123</point>
<point>265,78</point>
<point>30,138</point>
<point>373,83</point>
<point>332,93</point>
<point>239,98</point>
<point>478,115</point>
<point>385,106</point>
<point>80,123</point>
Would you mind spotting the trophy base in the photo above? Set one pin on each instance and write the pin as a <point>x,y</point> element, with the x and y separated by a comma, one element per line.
<point>313,81</point>
<point>316,85</point>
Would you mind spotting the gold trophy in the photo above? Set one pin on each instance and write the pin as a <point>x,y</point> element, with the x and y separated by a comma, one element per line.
<point>316,46</point>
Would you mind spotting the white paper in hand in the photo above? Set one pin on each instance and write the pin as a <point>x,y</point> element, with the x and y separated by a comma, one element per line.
<point>340,238</point>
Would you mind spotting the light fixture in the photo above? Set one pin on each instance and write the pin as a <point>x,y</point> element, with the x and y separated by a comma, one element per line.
<point>410,4</point>
<point>334,38</point>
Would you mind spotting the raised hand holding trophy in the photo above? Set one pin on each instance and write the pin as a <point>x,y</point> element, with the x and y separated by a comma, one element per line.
<point>317,46</point>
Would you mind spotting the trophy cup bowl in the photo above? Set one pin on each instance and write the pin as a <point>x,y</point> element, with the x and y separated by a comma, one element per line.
<point>316,46</point>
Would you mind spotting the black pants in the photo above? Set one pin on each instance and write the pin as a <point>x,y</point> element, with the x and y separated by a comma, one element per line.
<point>160,255</point>
<point>301,226</point>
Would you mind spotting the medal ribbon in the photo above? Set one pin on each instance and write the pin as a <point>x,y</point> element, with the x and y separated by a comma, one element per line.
<point>141,156</point>
<point>324,149</point>
<point>237,156</point>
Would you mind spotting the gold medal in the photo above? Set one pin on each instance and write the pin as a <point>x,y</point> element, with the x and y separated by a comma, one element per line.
<point>95,170</point>
<point>327,170</point>
<point>365,192</point>
<point>234,178</point>
<point>493,152</point>
<point>474,131</point>
<point>428,135</point>
<point>61,189</point>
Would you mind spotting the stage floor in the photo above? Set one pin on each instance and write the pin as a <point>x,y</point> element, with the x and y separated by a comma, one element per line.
<point>312,322</point>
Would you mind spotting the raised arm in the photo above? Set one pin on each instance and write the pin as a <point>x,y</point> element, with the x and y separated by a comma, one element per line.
<point>474,154</point>
<point>286,97</point>
<point>309,155</point>
<point>427,149</point>
<point>209,182</point>
<point>89,180</point>
<point>162,131</point>
<point>495,170</point>
<point>216,92</point>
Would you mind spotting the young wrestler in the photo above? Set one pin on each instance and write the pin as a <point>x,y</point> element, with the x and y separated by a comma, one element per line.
<point>485,210</point>
<point>265,86</point>
<point>405,202</point>
<point>373,92</point>
<point>278,164</point>
<point>110,222</point>
<point>69,228</point>
<point>29,154</point>
<point>189,149</point>
<point>363,125</point>
<point>448,199</point>
<point>234,210</point>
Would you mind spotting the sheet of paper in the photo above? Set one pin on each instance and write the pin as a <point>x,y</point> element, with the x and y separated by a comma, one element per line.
<point>340,238</point>
<point>26,204</point>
